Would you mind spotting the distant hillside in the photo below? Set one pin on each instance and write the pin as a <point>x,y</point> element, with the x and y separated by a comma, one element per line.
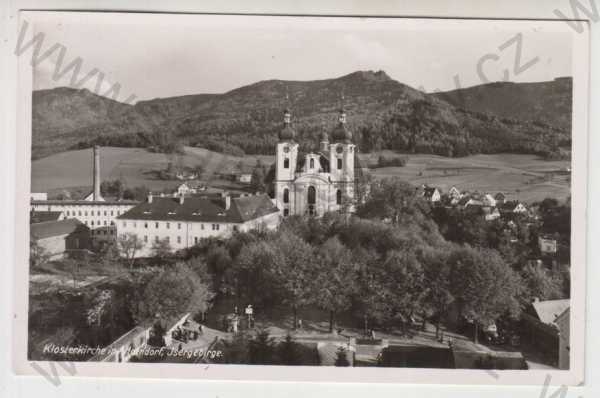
<point>548,102</point>
<point>382,113</point>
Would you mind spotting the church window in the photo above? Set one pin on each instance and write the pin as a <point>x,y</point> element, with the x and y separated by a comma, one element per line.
<point>286,163</point>
<point>286,196</point>
<point>312,163</point>
<point>312,195</point>
<point>339,164</point>
<point>156,225</point>
<point>338,197</point>
<point>168,225</point>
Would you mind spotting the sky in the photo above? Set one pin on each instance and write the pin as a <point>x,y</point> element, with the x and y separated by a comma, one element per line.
<point>159,55</point>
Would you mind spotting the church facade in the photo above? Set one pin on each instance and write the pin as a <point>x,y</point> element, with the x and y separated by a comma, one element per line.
<point>317,182</point>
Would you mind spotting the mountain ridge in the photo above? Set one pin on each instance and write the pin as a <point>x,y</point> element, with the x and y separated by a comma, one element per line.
<point>383,113</point>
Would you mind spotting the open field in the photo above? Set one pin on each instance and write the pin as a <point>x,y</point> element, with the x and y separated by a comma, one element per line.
<point>524,177</point>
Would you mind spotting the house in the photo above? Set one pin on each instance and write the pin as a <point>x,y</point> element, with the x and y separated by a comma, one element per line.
<point>43,216</point>
<point>513,207</point>
<point>58,238</point>
<point>547,245</point>
<point>500,198</point>
<point>539,327</point>
<point>491,213</point>
<point>431,194</point>
<point>467,201</point>
<point>454,193</point>
<point>489,200</point>
<point>124,348</point>
<point>39,196</point>
<point>245,178</point>
<point>182,221</point>
<point>564,345</point>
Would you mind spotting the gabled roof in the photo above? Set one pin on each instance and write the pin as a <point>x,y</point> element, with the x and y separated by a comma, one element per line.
<point>43,216</point>
<point>547,311</point>
<point>202,209</point>
<point>56,228</point>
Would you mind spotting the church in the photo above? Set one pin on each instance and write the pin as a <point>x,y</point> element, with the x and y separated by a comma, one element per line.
<point>317,182</point>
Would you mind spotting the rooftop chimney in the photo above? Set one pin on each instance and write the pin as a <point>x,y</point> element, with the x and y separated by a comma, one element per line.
<point>150,198</point>
<point>226,199</point>
<point>97,173</point>
<point>181,199</point>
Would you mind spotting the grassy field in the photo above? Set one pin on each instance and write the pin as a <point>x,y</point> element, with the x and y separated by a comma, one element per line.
<point>524,177</point>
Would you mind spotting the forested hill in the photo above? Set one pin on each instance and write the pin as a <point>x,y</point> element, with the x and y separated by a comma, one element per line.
<point>548,102</point>
<point>382,113</point>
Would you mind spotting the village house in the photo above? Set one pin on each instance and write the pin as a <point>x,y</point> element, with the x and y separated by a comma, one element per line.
<point>500,198</point>
<point>539,325</point>
<point>189,188</point>
<point>431,194</point>
<point>182,221</point>
<point>562,322</point>
<point>488,200</point>
<point>60,238</point>
<point>43,216</point>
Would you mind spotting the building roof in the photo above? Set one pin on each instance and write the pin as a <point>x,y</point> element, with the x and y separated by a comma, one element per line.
<point>57,228</point>
<point>548,310</point>
<point>43,216</point>
<point>341,133</point>
<point>429,191</point>
<point>203,209</point>
<point>68,202</point>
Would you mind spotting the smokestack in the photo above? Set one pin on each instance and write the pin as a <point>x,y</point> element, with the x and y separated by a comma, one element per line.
<point>97,173</point>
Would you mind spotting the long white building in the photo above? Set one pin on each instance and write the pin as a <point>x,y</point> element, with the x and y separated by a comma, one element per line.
<point>183,220</point>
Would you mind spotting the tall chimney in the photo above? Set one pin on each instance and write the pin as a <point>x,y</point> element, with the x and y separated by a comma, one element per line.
<point>97,173</point>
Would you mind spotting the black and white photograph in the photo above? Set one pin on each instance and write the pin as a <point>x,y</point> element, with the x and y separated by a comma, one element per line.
<point>301,191</point>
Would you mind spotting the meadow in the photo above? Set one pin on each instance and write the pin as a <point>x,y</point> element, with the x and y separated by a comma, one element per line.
<point>527,178</point>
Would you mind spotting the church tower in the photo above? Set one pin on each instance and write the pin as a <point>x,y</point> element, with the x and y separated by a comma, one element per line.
<point>341,151</point>
<point>285,165</point>
<point>341,155</point>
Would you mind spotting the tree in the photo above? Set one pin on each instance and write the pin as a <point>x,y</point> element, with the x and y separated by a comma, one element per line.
<point>295,270</point>
<point>72,267</point>
<point>128,245</point>
<point>218,261</point>
<point>257,182</point>
<point>173,292</point>
<point>341,357</point>
<point>162,250</point>
<point>394,200</point>
<point>38,255</point>
<point>254,277</point>
<point>335,285</point>
<point>540,283</point>
<point>288,351</point>
<point>484,285</point>
<point>437,278</point>
<point>262,349</point>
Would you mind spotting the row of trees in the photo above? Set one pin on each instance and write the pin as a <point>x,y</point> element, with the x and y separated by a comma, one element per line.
<point>382,268</point>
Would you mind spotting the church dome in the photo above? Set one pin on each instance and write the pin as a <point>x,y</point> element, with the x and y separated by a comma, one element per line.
<point>341,132</point>
<point>287,133</point>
